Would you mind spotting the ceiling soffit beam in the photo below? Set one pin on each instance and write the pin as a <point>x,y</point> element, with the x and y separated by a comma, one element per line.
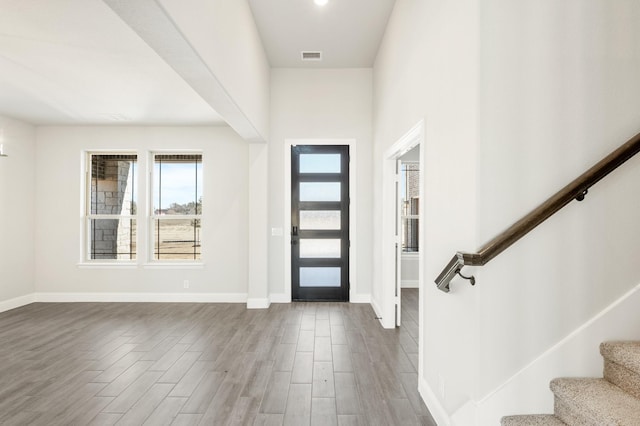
<point>154,25</point>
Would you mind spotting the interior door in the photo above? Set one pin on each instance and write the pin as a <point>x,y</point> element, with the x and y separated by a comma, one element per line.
<point>320,222</point>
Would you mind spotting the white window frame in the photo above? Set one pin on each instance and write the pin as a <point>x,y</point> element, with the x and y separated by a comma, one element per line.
<point>87,216</point>
<point>152,217</point>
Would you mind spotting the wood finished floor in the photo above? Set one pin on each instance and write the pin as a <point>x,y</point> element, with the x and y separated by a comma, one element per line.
<point>183,364</point>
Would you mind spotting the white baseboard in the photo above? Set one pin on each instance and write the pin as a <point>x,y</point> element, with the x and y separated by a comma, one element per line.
<point>142,297</point>
<point>410,284</point>
<point>16,302</point>
<point>376,308</point>
<point>360,298</point>
<point>253,303</point>
<point>467,415</point>
<point>618,321</point>
<point>433,404</point>
<point>283,298</point>
<point>258,303</point>
<point>378,312</point>
<point>279,298</point>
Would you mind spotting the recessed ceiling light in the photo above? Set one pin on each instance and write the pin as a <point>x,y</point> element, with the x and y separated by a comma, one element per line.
<point>321,2</point>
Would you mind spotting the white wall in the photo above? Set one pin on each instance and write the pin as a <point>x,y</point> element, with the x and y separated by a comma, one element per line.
<point>410,270</point>
<point>321,104</point>
<point>17,236</point>
<point>559,91</point>
<point>576,355</point>
<point>518,99</point>
<point>427,68</point>
<point>258,250</point>
<point>224,34</point>
<point>225,214</point>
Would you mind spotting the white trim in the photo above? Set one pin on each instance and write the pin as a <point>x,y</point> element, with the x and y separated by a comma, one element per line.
<point>108,265</point>
<point>111,216</point>
<point>167,216</point>
<point>620,320</point>
<point>433,404</point>
<point>387,300</point>
<point>421,245</point>
<point>84,180</point>
<point>563,342</point>
<point>16,302</point>
<point>414,137</point>
<point>377,310</point>
<point>466,415</point>
<point>142,297</point>
<point>360,298</point>
<point>135,265</point>
<point>407,142</point>
<point>158,264</point>
<point>187,151</point>
<point>258,303</point>
<point>280,298</point>
<point>288,143</point>
<point>410,254</point>
<point>410,283</point>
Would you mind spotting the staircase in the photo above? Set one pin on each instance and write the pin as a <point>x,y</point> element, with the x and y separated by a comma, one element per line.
<point>612,400</point>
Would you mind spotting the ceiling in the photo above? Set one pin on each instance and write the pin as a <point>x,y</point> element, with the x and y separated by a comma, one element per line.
<point>347,32</point>
<point>78,62</point>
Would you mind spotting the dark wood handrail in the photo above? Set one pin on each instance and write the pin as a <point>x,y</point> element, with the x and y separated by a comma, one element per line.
<point>576,190</point>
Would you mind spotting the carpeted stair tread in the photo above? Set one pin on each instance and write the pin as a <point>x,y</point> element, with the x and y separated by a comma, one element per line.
<point>532,420</point>
<point>623,353</point>
<point>596,402</point>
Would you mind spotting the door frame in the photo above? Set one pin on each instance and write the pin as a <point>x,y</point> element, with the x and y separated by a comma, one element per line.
<point>351,143</point>
<point>411,139</point>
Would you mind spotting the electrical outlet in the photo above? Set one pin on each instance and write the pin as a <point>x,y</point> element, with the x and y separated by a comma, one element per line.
<point>185,283</point>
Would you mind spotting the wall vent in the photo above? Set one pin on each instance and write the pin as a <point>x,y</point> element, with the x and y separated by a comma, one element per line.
<point>311,56</point>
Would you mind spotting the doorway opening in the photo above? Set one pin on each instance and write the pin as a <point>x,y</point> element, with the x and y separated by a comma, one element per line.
<point>402,230</point>
<point>407,235</point>
<point>350,145</point>
<point>320,222</point>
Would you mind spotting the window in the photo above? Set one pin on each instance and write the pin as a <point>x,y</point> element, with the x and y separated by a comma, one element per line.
<point>111,207</point>
<point>177,206</point>
<point>410,205</point>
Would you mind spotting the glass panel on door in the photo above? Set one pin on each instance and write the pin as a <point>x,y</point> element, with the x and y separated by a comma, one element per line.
<point>317,248</point>
<point>319,277</point>
<point>320,219</point>
<point>319,163</point>
<point>319,191</point>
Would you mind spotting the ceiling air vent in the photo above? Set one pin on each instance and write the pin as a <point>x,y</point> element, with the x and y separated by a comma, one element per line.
<point>311,56</point>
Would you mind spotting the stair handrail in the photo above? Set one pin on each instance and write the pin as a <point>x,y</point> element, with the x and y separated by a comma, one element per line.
<point>576,190</point>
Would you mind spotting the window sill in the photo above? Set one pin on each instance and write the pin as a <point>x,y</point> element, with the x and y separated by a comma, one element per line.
<point>114,265</point>
<point>107,265</point>
<point>173,265</point>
